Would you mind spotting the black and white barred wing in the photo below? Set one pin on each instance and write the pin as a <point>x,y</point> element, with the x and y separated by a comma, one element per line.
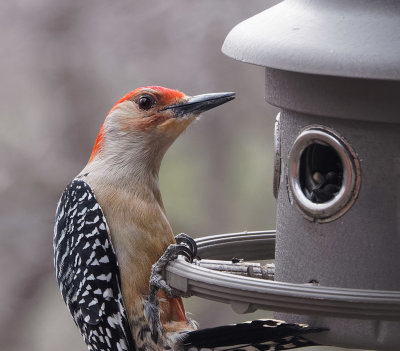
<point>87,271</point>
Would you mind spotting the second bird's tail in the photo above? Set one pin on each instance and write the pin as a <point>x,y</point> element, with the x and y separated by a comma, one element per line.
<point>262,335</point>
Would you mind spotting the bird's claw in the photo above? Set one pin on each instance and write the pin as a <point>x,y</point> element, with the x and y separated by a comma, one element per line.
<point>186,239</point>
<point>186,247</point>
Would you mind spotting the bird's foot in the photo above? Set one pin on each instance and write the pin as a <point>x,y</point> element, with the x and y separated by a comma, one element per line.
<point>186,247</point>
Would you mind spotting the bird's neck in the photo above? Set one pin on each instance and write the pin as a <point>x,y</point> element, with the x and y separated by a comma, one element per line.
<point>135,170</point>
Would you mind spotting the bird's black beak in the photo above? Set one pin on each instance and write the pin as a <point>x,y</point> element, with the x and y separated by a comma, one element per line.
<point>200,103</point>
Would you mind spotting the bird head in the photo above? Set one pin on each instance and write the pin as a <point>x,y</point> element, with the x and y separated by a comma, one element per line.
<point>144,123</point>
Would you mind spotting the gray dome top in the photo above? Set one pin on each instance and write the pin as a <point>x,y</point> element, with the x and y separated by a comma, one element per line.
<point>347,38</point>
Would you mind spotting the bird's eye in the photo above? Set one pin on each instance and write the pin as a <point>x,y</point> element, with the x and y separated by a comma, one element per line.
<point>145,102</point>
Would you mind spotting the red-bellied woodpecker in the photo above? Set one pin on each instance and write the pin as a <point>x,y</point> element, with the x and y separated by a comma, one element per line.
<point>111,228</point>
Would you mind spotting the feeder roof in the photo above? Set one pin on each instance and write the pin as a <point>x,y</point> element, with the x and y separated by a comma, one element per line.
<point>345,38</point>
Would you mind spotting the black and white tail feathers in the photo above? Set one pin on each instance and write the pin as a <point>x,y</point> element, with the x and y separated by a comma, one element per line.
<point>261,335</point>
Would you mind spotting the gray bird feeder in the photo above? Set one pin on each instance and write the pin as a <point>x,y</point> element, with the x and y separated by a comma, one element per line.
<point>333,69</point>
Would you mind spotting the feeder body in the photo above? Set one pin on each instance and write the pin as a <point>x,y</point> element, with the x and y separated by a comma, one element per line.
<point>333,69</point>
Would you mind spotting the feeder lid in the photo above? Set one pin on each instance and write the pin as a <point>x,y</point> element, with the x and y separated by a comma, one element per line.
<point>357,38</point>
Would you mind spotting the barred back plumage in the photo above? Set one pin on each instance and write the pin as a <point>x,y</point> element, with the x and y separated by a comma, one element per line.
<point>87,271</point>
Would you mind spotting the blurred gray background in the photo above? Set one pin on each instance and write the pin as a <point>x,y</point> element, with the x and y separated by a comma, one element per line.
<point>63,64</point>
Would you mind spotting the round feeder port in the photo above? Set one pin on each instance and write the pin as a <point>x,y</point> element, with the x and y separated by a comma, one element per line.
<point>323,174</point>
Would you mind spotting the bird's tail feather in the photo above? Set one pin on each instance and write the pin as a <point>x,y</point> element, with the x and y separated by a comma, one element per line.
<point>261,335</point>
